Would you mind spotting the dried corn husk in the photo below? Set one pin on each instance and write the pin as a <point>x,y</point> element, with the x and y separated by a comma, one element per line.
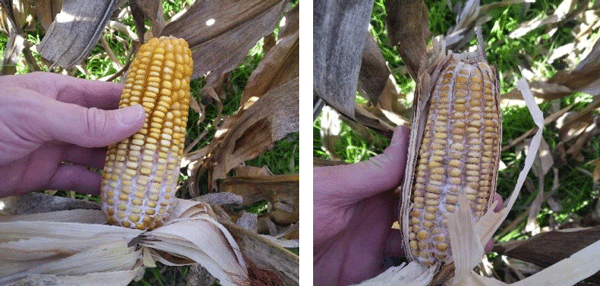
<point>46,249</point>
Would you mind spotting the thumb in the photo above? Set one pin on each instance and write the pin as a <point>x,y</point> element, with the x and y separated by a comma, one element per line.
<point>368,178</point>
<point>92,127</point>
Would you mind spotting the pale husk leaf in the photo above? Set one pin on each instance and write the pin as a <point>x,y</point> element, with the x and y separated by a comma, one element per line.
<point>79,215</point>
<point>201,239</point>
<point>60,253</point>
<point>115,278</point>
<point>411,274</point>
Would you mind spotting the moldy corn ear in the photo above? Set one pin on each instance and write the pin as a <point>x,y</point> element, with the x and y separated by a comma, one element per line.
<point>457,151</point>
<point>140,175</point>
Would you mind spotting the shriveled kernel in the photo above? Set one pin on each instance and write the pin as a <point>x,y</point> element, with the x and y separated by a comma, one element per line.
<point>441,246</point>
<point>422,235</point>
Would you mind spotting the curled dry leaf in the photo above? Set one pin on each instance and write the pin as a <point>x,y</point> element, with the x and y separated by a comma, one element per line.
<point>75,31</point>
<point>251,171</point>
<point>280,190</point>
<point>374,72</point>
<point>15,46</point>
<point>33,203</point>
<point>563,13</point>
<point>330,131</point>
<point>548,248</point>
<point>407,28</point>
<point>266,254</point>
<point>280,64</point>
<point>252,131</point>
<point>472,15</point>
<point>582,79</point>
<point>143,10</point>
<point>46,10</point>
<point>224,30</point>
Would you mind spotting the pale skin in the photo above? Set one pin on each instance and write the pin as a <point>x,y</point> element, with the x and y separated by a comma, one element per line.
<point>54,127</point>
<point>354,208</point>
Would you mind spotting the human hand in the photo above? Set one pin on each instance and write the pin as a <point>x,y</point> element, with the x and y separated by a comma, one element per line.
<point>48,119</point>
<point>354,208</point>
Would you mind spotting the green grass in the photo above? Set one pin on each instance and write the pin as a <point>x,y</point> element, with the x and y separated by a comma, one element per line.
<point>575,193</point>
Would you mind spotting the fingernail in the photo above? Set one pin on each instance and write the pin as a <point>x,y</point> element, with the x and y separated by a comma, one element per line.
<point>130,115</point>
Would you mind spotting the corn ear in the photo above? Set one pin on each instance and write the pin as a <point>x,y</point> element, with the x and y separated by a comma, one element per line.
<point>140,175</point>
<point>454,148</point>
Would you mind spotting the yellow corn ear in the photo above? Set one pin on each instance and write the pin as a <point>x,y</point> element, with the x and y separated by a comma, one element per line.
<point>140,175</point>
<point>458,153</point>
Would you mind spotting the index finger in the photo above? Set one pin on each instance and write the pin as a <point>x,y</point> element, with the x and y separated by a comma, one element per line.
<point>86,93</point>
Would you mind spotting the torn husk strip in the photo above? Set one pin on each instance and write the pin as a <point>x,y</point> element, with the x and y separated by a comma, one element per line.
<point>63,253</point>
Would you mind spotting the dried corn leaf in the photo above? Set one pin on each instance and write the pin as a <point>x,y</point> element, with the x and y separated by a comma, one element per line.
<point>596,173</point>
<point>7,20</point>
<point>75,31</point>
<point>281,190</point>
<point>374,72</point>
<point>252,131</point>
<point>390,103</point>
<point>582,79</point>
<point>46,10</point>
<point>374,118</point>
<point>550,247</point>
<point>280,63</point>
<point>470,16</point>
<point>340,30</point>
<point>251,171</point>
<point>568,271</point>
<point>265,254</point>
<point>330,131</point>
<point>221,198</point>
<point>151,10</point>
<point>14,48</point>
<point>407,28</point>
<point>564,12</point>
<point>225,30</point>
<point>33,203</point>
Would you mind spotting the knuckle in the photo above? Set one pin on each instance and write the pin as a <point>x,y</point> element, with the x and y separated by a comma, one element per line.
<point>95,122</point>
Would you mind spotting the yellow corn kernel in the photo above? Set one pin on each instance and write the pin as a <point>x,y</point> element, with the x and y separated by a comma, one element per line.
<point>136,190</point>
<point>454,161</point>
